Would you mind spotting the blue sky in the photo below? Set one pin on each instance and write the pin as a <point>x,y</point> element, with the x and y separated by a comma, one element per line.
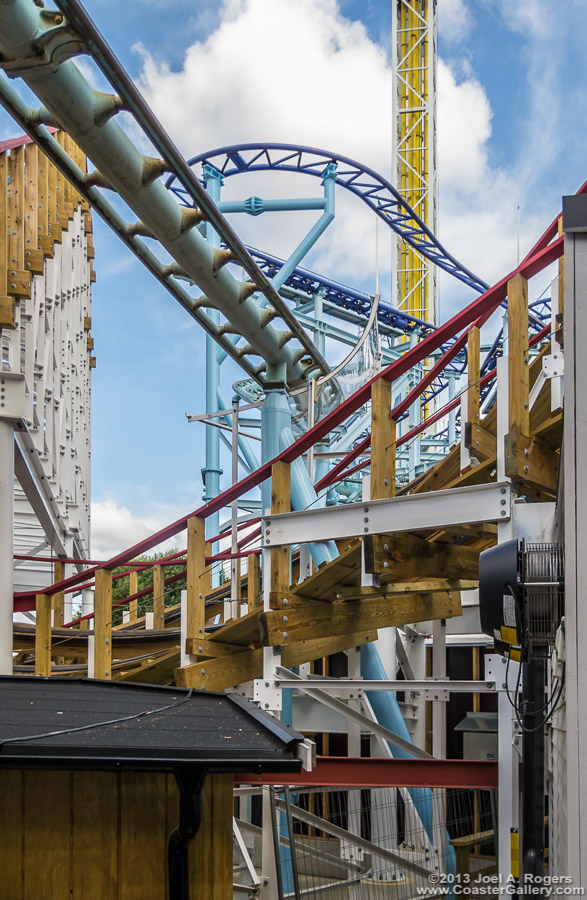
<point>512,131</point>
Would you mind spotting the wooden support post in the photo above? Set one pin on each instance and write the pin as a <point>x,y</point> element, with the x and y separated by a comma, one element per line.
<point>6,302</point>
<point>474,364</point>
<point>196,577</point>
<point>158,597</point>
<point>33,257</point>
<point>43,635</point>
<point>103,624</point>
<point>58,599</point>
<point>18,278</point>
<point>383,447</point>
<point>518,375</point>
<point>133,587</point>
<point>280,503</point>
<point>254,581</point>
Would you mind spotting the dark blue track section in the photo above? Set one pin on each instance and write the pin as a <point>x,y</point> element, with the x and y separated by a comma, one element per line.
<point>371,188</point>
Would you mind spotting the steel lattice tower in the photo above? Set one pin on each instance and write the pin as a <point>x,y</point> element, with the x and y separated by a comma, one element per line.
<point>414,146</point>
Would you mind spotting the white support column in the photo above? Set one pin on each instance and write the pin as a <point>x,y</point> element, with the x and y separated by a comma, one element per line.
<point>570,804</point>
<point>6,544</point>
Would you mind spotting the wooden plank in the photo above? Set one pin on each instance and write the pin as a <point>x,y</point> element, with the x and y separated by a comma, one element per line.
<point>43,635</point>
<point>531,462</point>
<point>3,225</point>
<point>211,649</point>
<point>103,624</point>
<point>344,617</point>
<point>479,441</point>
<point>344,570</point>
<point>11,825</point>
<point>211,852</point>
<point>158,597</point>
<point>280,503</point>
<point>418,586</point>
<point>133,587</point>
<point>403,557</point>
<point>473,367</point>
<point>383,445</point>
<point>196,576</point>
<point>31,173</point>
<point>254,587</point>
<point>441,474</point>
<point>220,674</point>
<point>42,197</point>
<point>94,829</point>
<point>59,598</point>
<point>518,378</point>
<point>243,631</point>
<point>143,845</point>
<point>47,835</point>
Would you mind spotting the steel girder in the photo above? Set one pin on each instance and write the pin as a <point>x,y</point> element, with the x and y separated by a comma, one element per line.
<point>36,45</point>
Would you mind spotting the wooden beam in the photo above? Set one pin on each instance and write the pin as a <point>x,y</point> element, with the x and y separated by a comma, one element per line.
<point>196,577</point>
<point>530,461</point>
<point>103,624</point>
<point>19,280</point>
<point>352,616</point>
<point>383,437</point>
<point>222,673</point>
<point>418,586</point>
<point>280,503</point>
<point>158,597</point>
<point>479,441</point>
<point>254,581</point>
<point>343,570</point>
<point>43,635</point>
<point>518,377</point>
<point>59,598</point>
<point>474,364</point>
<point>211,649</point>
<point>133,587</point>
<point>405,557</point>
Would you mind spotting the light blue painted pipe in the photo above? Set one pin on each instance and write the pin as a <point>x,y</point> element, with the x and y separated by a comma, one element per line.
<point>243,443</point>
<point>254,206</point>
<point>304,496</point>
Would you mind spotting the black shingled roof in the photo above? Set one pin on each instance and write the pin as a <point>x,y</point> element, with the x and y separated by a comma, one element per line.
<point>86,723</point>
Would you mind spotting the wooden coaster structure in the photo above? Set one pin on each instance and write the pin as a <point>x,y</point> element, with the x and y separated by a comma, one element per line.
<point>419,575</point>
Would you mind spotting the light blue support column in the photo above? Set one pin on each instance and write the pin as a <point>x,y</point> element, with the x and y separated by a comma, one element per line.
<point>212,471</point>
<point>276,435</point>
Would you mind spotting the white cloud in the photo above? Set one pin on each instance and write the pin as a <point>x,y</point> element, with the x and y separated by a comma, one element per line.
<point>454,20</point>
<point>114,528</point>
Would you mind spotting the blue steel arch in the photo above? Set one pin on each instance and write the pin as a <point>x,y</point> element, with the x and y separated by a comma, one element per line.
<point>373,189</point>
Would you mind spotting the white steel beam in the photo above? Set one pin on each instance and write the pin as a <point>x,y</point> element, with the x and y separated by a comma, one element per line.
<point>436,509</point>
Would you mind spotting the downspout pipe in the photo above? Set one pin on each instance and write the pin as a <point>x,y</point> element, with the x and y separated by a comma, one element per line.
<point>190,817</point>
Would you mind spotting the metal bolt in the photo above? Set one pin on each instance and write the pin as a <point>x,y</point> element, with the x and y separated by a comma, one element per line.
<point>386,546</point>
<point>202,671</point>
<point>107,641</point>
<point>266,706</point>
<point>525,406</point>
<point>526,469</point>
<point>201,649</point>
<point>285,618</point>
<point>503,502</point>
<point>502,491</point>
<point>284,601</point>
<point>503,512</point>
<point>366,509</point>
<point>285,635</point>
<point>106,672</point>
<point>366,519</point>
<point>266,684</point>
<point>386,565</point>
<point>526,452</point>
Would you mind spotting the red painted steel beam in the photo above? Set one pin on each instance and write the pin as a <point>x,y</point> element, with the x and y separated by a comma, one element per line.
<point>352,772</point>
<point>481,306</point>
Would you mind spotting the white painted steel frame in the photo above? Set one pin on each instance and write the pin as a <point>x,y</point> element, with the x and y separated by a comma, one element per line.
<point>435,509</point>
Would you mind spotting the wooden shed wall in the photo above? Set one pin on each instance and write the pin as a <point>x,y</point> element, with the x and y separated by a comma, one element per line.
<point>97,835</point>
